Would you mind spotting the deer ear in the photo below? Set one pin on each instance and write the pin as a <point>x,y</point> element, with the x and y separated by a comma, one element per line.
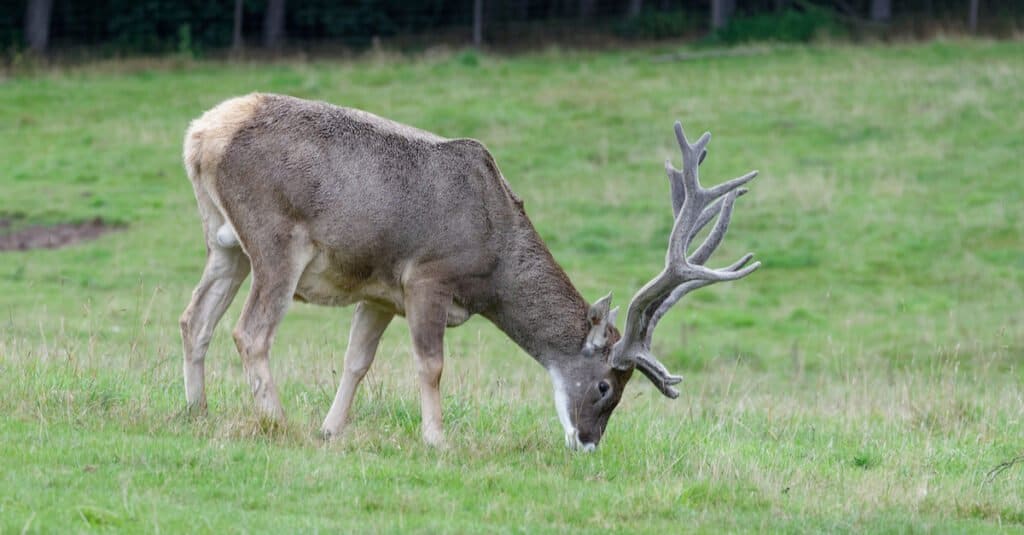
<point>599,310</point>
<point>612,316</point>
<point>599,317</point>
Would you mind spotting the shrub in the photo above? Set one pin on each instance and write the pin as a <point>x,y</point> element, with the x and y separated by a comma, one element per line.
<point>652,24</point>
<point>789,26</point>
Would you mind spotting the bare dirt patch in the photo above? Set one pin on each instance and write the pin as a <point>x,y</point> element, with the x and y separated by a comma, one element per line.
<point>17,238</point>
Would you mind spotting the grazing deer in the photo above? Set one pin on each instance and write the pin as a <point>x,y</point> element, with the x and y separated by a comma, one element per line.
<point>336,206</point>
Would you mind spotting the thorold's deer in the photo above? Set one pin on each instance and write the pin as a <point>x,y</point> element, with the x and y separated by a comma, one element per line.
<point>335,206</point>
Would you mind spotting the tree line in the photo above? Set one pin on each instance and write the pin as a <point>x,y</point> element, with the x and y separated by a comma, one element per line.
<point>159,25</point>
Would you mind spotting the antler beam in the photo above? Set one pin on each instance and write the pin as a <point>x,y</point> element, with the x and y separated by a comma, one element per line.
<point>693,207</point>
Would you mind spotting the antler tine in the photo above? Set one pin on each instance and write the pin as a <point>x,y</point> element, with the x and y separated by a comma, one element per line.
<point>658,374</point>
<point>675,177</point>
<point>725,187</point>
<point>691,151</point>
<point>675,184</point>
<point>714,238</point>
<point>690,286</point>
<point>693,208</point>
<point>688,193</point>
<point>708,214</point>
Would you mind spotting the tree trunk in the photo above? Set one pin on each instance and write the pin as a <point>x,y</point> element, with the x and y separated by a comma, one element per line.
<point>520,9</point>
<point>586,9</point>
<point>634,9</point>
<point>236,32</point>
<point>273,24</point>
<point>972,16</point>
<point>37,24</point>
<point>721,10</point>
<point>478,23</point>
<point>881,10</point>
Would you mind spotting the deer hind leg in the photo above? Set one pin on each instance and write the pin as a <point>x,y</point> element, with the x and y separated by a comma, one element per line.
<point>368,324</point>
<point>277,264</point>
<point>426,307</point>
<point>226,268</point>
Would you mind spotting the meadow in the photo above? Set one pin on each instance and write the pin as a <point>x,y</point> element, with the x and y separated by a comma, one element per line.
<point>866,379</point>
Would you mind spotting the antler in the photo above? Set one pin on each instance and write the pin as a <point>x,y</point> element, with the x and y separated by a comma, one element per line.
<point>693,207</point>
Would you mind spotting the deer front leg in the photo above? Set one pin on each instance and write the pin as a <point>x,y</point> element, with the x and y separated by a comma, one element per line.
<point>368,324</point>
<point>426,307</point>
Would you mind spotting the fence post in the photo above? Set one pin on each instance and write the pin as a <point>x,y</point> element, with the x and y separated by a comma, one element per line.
<point>881,10</point>
<point>273,24</point>
<point>236,29</point>
<point>37,25</point>
<point>721,10</point>
<point>478,23</point>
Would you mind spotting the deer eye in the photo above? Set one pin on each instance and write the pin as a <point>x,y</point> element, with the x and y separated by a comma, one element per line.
<point>603,387</point>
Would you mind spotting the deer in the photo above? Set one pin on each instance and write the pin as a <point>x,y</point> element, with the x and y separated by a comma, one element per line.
<point>336,206</point>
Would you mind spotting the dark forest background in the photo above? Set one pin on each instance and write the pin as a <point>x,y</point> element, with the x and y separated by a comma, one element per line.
<point>208,26</point>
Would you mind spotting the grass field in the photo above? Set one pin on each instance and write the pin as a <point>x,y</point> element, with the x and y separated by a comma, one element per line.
<point>866,379</point>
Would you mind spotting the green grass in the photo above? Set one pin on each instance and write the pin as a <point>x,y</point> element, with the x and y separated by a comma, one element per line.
<point>866,379</point>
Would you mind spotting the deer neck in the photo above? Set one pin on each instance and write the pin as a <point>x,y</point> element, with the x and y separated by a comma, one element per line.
<point>538,307</point>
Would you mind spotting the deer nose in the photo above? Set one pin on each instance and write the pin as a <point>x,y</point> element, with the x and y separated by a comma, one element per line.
<point>591,437</point>
<point>575,443</point>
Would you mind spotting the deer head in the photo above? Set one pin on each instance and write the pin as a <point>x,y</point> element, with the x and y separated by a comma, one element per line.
<point>588,388</point>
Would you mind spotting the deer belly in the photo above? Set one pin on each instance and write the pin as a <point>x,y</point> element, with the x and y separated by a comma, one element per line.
<point>322,284</point>
<point>319,290</point>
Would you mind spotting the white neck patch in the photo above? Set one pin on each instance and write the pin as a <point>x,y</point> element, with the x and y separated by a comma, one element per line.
<point>562,407</point>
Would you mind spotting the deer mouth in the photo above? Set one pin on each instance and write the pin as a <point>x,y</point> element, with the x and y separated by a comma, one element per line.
<point>573,442</point>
